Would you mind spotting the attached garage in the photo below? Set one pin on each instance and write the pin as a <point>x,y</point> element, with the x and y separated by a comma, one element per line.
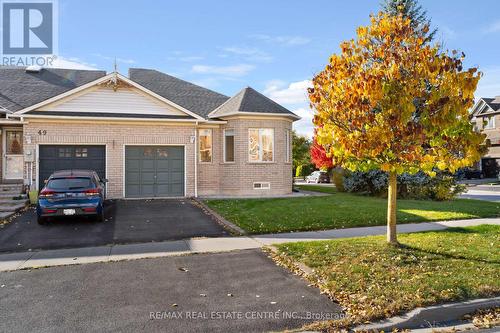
<point>154,171</point>
<point>64,157</point>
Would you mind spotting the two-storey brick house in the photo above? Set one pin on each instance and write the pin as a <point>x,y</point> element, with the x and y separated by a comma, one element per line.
<point>486,118</point>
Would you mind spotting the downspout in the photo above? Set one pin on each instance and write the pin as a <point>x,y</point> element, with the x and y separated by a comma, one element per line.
<point>196,160</point>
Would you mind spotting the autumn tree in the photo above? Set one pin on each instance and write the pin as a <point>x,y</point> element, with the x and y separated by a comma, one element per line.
<point>410,9</point>
<point>394,102</point>
<point>319,156</point>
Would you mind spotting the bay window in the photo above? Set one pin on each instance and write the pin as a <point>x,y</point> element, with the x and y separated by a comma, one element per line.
<point>288,146</point>
<point>228,145</point>
<point>261,145</point>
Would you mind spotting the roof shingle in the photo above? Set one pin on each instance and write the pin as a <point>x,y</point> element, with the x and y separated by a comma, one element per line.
<point>19,89</point>
<point>250,100</point>
<point>194,98</point>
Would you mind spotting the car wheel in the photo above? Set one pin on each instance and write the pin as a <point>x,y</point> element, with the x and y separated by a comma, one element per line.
<point>41,220</point>
<point>100,217</point>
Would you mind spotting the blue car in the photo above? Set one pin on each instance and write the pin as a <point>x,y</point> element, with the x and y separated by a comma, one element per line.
<point>72,193</point>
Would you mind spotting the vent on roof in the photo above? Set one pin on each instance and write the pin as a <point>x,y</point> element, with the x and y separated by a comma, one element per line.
<point>34,69</point>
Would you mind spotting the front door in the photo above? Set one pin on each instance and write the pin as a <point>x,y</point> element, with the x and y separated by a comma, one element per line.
<point>13,154</point>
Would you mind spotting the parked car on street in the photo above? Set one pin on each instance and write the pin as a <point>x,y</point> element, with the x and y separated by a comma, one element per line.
<point>72,193</point>
<point>473,174</point>
<point>318,177</point>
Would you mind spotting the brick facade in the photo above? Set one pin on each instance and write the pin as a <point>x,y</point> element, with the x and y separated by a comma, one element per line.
<point>237,178</point>
<point>215,178</point>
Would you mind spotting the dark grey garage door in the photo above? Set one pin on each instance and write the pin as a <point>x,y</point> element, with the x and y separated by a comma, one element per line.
<point>63,157</point>
<point>154,171</point>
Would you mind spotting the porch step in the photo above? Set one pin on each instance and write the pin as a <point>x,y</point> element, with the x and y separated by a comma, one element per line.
<point>7,201</point>
<point>10,194</point>
<point>11,189</point>
<point>12,208</point>
<point>2,185</point>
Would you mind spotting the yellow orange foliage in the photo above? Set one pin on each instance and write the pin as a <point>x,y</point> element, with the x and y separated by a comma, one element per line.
<point>393,102</point>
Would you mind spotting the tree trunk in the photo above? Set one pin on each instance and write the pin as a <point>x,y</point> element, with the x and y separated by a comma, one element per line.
<point>391,209</point>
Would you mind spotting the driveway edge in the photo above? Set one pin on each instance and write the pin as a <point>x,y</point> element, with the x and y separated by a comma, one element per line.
<point>427,317</point>
<point>58,257</point>
<point>220,219</point>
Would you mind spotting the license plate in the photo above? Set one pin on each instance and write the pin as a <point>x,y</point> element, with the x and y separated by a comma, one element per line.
<point>69,212</point>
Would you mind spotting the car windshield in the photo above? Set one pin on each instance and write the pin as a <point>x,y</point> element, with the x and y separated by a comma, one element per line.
<point>73,183</point>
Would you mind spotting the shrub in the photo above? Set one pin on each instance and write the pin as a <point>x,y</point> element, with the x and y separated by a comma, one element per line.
<point>303,170</point>
<point>417,186</point>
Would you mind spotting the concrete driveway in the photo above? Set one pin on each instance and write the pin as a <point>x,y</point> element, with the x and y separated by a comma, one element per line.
<point>240,291</point>
<point>126,222</point>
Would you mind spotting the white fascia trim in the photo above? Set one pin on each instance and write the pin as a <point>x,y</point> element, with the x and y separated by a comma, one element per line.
<point>474,109</point>
<point>12,122</point>
<point>105,118</point>
<point>208,122</point>
<point>260,114</point>
<point>4,109</point>
<point>221,122</point>
<point>482,108</point>
<point>99,81</point>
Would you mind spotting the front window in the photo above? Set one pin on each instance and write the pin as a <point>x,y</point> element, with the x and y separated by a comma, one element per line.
<point>261,145</point>
<point>288,146</point>
<point>14,142</point>
<point>229,145</point>
<point>489,122</point>
<point>205,145</point>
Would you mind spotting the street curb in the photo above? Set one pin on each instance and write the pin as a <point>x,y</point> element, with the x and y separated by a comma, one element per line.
<point>229,225</point>
<point>427,317</point>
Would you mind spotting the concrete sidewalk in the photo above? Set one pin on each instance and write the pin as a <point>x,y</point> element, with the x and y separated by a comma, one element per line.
<point>24,260</point>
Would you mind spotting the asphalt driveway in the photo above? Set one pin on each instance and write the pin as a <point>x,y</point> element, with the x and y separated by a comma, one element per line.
<point>226,292</point>
<point>127,221</point>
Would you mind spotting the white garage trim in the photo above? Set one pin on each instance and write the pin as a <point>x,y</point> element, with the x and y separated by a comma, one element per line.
<point>152,145</point>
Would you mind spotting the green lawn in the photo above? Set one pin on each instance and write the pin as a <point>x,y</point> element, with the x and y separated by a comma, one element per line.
<point>374,280</point>
<point>341,210</point>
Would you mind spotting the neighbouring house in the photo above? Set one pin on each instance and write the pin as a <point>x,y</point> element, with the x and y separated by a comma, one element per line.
<point>485,116</point>
<point>149,134</point>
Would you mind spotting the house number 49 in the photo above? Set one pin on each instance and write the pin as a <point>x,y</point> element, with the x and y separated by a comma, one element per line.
<point>42,132</point>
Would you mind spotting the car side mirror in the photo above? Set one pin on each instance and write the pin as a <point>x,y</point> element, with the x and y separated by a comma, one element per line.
<point>45,181</point>
<point>105,180</point>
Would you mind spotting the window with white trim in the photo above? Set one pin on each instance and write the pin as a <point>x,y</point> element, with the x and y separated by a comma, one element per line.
<point>288,146</point>
<point>205,145</point>
<point>489,122</point>
<point>260,145</point>
<point>228,146</point>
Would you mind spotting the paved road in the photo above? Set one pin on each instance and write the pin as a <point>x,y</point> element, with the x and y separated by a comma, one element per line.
<point>121,296</point>
<point>483,194</point>
<point>127,221</point>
